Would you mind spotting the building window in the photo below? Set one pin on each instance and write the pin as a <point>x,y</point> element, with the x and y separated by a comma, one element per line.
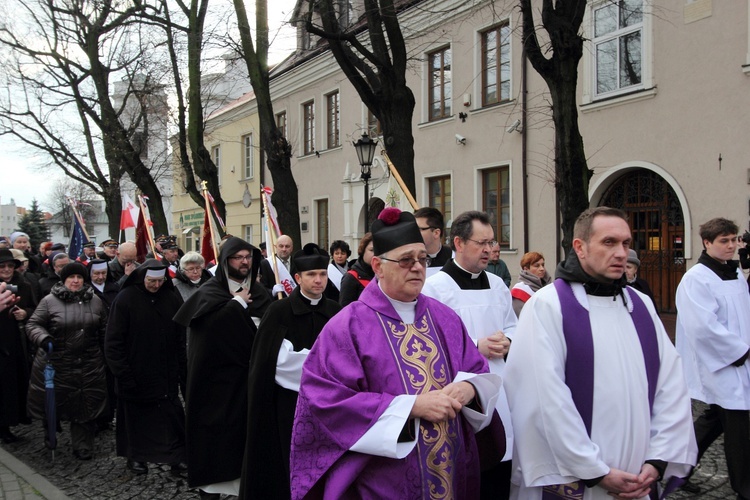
<point>308,131</point>
<point>281,123</point>
<point>496,202</point>
<point>247,155</point>
<point>439,189</point>
<point>373,124</point>
<point>216,157</point>
<point>496,64</point>
<point>439,81</point>
<point>333,122</point>
<point>321,223</point>
<point>618,36</point>
<point>343,13</point>
<point>247,233</point>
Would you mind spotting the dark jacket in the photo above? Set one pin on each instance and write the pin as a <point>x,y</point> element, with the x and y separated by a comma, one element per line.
<point>75,322</point>
<point>111,289</point>
<point>187,288</point>
<point>221,340</point>
<point>352,287</point>
<point>144,348</point>
<point>14,373</point>
<point>271,407</point>
<point>46,282</point>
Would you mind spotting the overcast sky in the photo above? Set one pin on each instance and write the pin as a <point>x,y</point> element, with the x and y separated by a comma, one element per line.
<point>24,180</point>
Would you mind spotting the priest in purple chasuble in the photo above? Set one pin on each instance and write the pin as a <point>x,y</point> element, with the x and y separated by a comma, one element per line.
<point>596,389</point>
<point>393,390</point>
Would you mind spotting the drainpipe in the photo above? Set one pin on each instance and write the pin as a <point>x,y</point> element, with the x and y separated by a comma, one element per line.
<point>524,174</point>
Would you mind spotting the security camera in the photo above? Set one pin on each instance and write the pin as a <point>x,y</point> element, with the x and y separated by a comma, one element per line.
<point>515,127</point>
<point>460,139</point>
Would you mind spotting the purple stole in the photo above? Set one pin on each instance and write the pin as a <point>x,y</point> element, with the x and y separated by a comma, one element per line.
<point>579,365</point>
<point>424,367</point>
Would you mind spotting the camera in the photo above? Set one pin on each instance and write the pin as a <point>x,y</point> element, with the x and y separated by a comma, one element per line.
<point>746,237</point>
<point>12,288</point>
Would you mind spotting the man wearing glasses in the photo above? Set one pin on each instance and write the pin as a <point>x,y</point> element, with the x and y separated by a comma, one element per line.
<point>220,317</point>
<point>484,303</point>
<point>431,225</point>
<point>392,391</point>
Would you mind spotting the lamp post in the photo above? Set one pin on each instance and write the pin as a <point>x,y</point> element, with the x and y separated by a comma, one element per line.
<point>365,148</point>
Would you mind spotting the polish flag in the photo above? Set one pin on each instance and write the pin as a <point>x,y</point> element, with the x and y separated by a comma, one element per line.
<point>130,213</point>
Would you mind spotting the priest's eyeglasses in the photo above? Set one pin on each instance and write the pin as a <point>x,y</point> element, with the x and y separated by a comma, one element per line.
<point>408,262</point>
<point>490,243</point>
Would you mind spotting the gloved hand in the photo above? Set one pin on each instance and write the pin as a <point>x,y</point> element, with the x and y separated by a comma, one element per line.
<point>48,344</point>
<point>278,288</point>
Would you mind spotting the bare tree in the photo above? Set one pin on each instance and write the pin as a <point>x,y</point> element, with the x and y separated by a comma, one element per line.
<point>377,70</point>
<point>277,150</point>
<point>65,190</point>
<point>65,56</point>
<point>562,20</point>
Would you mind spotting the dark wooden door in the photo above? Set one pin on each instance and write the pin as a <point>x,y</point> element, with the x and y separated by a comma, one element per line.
<point>656,221</point>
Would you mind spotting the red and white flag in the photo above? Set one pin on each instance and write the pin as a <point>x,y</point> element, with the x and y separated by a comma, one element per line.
<point>130,213</point>
<point>267,192</point>
<point>207,247</point>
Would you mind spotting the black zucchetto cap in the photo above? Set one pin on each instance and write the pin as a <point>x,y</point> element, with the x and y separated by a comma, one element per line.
<point>310,258</point>
<point>394,229</point>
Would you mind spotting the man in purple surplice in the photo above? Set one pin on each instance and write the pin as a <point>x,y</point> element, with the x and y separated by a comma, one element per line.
<point>393,390</point>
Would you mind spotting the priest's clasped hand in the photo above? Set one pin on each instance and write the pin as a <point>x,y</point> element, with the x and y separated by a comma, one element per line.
<point>621,484</point>
<point>495,346</point>
<point>244,294</point>
<point>442,405</point>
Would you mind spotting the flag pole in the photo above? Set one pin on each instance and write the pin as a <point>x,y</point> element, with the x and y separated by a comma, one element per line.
<point>272,243</point>
<point>399,180</point>
<point>148,226</point>
<point>78,218</point>
<point>210,221</point>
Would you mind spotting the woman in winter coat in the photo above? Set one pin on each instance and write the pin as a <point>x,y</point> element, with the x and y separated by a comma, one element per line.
<point>356,279</point>
<point>73,320</point>
<point>191,274</point>
<point>533,277</point>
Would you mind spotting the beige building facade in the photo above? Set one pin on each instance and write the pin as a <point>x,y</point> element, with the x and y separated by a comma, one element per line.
<point>663,94</point>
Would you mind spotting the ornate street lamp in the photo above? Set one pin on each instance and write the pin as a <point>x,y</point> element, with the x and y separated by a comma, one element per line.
<point>365,148</point>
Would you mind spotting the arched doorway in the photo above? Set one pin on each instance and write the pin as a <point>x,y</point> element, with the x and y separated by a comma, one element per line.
<point>658,227</point>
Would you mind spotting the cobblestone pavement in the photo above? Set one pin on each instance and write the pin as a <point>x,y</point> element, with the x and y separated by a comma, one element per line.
<point>106,477</point>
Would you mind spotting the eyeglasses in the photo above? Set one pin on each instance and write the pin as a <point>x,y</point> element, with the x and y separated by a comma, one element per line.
<point>490,243</point>
<point>193,269</point>
<point>408,262</point>
<point>241,258</point>
<point>428,228</point>
<point>5,265</point>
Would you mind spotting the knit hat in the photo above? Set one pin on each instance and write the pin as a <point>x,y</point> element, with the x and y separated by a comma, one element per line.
<point>394,229</point>
<point>311,257</point>
<point>633,257</point>
<point>74,268</point>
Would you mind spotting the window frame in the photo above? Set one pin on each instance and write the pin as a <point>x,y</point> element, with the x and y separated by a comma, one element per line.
<point>498,29</point>
<point>281,123</point>
<point>333,120</point>
<point>446,192</point>
<point>248,154</point>
<point>308,127</point>
<point>444,85</point>
<point>503,238</point>
<point>216,158</point>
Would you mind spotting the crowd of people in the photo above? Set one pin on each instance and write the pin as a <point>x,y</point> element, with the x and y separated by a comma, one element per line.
<point>412,371</point>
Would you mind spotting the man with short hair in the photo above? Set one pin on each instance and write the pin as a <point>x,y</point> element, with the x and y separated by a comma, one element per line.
<point>268,272</point>
<point>124,263</point>
<point>432,226</point>
<point>220,317</point>
<point>483,302</point>
<point>393,389</point>
<point>285,335</point>
<point>596,390</point>
<point>713,338</point>
<point>497,266</point>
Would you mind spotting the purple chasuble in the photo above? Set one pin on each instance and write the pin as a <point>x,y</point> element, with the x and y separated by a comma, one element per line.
<point>579,365</point>
<point>364,357</point>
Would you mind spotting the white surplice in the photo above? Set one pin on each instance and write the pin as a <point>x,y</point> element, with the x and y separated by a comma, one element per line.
<point>484,312</point>
<point>552,445</point>
<point>713,331</point>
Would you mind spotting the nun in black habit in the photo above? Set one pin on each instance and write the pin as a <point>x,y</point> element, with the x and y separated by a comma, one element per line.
<point>145,350</point>
<point>222,330</point>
